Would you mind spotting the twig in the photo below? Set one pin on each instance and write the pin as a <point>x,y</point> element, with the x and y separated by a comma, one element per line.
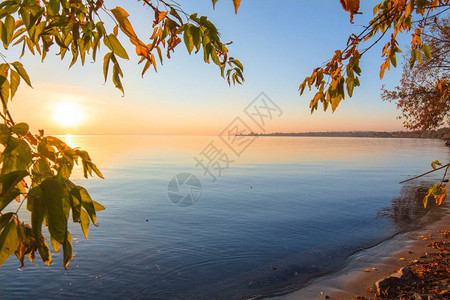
<point>445,174</point>
<point>445,166</point>
<point>20,205</point>
<point>5,109</point>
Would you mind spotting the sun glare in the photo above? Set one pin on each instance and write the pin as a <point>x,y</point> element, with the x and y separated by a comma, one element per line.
<point>68,114</point>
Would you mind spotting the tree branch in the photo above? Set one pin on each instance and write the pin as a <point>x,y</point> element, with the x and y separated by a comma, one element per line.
<point>445,166</point>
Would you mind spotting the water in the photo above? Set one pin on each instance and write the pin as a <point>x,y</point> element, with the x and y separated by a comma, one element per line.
<point>287,210</point>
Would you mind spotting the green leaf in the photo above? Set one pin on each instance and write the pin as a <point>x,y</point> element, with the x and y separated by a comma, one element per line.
<point>5,133</point>
<point>41,171</point>
<point>53,194</point>
<point>106,60</point>
<point>375,9</point>
<point>196,35</point>
<point>55,244</point>
<point>84,218</point>
<point>8,183</point>
<point>238,64</point>
<point>53,6</point>
<point>8,29</point>
<point>116,77</point>
<point>350,86</point>
<point>44,253</point>
<point>14,80</point>
<point>66,203</point>
<point>413,58</point>
<point>65,169</point>
<point>188,39</point>
<point>4,219</point>
<point>10,180</point>
<point>335,102</point>
<point>35,204</point>
<point>426,51</point>
<point>115,46</point>
<point>19,68</point>
<point>36,12</point>
<point>393,59</point>
<point>67,250</point>
<point>9,240</point>
<point>17,156</point>
<point>4,88</point>
<point>20,128</point>
<point>3,34</point>
<point>98,206</point>
<point>75,201</point>
<point>96,170</point>
<point>46,150</point>
<point>215,58</point>
<point>88,204</point>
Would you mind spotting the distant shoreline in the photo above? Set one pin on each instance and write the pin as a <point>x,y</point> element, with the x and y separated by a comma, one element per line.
<point>443,133</point>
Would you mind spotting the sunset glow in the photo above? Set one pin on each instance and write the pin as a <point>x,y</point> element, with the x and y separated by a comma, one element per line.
<point>68,114</point>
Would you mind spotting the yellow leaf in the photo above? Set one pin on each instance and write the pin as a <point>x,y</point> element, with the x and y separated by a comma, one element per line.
<point>236,5</point>
<point>435,163</point>
<point>367,270</point>
<point>122,17</point>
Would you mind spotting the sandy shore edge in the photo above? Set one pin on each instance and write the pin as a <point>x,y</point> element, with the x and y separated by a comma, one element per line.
<point>383,260</point>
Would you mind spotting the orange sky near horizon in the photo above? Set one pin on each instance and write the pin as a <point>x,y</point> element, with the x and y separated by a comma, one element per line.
<point>105,115</point>
<point>187,96</point>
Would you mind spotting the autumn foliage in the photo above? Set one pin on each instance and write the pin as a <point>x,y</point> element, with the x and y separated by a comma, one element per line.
<point>423,94</point>
<point>340,75</point>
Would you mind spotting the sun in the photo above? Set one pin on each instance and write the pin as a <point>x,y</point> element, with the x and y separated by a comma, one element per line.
<point>68,114</point>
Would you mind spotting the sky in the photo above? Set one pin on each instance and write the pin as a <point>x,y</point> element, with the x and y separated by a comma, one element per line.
<point>279,43</point>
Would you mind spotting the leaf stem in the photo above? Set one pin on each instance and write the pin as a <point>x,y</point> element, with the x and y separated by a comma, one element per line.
<point>5,110</point>
<point>20,205</point>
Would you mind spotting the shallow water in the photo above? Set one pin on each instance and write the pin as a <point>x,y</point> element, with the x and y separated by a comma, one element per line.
<point>301,205</point>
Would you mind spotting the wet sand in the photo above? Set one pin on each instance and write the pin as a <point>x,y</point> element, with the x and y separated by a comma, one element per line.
<point>382,260</point>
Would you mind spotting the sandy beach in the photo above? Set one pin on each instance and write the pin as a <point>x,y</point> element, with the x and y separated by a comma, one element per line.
<point>382,260</point>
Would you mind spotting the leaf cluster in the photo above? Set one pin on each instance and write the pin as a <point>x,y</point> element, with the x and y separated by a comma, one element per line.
<point>339,76</point>
<point>36,169</point>
<point>76,27</point>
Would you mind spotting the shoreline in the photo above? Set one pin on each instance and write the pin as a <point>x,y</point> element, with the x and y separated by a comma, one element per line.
<point>382,260</point>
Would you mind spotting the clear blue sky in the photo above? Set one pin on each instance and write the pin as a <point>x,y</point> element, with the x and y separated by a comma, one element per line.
<point>279,43</point>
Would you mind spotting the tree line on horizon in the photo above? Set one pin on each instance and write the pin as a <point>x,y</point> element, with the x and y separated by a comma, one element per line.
<point>442,133</point>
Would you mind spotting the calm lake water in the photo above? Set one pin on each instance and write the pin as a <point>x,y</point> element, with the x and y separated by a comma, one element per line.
<point>301,205</point>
